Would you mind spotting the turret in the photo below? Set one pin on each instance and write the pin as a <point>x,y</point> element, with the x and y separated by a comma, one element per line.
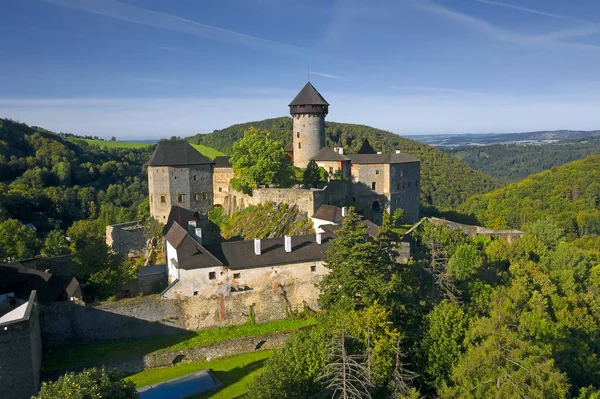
<point>308,109</point>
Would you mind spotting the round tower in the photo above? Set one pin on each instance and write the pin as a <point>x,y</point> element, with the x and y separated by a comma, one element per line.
<point>308,109</point>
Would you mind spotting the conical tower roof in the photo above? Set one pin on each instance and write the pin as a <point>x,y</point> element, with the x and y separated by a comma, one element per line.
<point>309,96</point>
<point>366,148</point>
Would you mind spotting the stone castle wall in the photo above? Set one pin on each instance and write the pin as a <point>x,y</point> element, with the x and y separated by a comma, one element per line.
<point>309,137</point>
<point>126,238</point>
<point>194,182</point>
<point>307,200</point>
<point>221,187</point>
<point>21,355</point>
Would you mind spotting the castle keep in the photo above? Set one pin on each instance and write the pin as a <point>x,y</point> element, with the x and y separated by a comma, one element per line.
<point>179,175</point>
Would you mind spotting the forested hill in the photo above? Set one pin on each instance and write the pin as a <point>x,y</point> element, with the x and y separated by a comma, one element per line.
<point>446,182</point>
<point>570,194</point>
<point>515,162</point>
<point>50,181</point>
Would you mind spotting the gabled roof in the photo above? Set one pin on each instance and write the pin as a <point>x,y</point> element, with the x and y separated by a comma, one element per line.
<point>222,161</point>
<point>176,153</point>
<point>372,228</point>
<point>309,96</point>
<point>190,254</point>
<point>382,158</point>
<point>327,154</point>
<point>366,148</point>
<point>14,277</point>
<point>329,212</point>
<point>180,215</point>
<point>240,254</point>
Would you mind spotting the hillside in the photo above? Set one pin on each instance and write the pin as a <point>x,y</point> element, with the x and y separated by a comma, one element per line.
<point>515,162</point>
<point>570,194</point>
<point>446,182</point>
<point>263,221</point>
<point>51,181</point>
<point>544,136</point>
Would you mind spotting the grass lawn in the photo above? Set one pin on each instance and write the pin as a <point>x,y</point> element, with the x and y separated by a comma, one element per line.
<point>86,355</point>
<point>235,372</point>
<point>207,151</point>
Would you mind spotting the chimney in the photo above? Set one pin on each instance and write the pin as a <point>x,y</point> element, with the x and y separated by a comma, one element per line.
<point>198,235</point>
<point>398,151</point>
<point>319,238</point>
<point>344,211</point>
<point>192,227</point>
<point>288,243</point>
<point>257,246</point>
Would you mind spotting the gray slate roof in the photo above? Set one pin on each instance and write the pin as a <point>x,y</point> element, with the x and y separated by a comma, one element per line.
<point>366,148</point>
<point>222,161</point>
<point>382,158</point>
<point>372,228</point>
<point>309,96</point>
<point>240,254</point>
<point>176,153</point>
<point>327,154</point>
<point>329,212</point>
<point>190,254</point>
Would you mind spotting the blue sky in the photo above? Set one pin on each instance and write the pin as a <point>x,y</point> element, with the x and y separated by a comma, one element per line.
<point>157,68</point>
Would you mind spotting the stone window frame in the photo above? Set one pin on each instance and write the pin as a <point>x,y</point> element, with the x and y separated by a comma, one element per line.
<point>220,189</point>
<point>163,198</point>
<point>212,275</point>
<point>237,275</point>
<point>376,172</point>
<point>299,146</point>
<point>205,196</point>
<point>374,186</point>
<point>196,197</point>
<point>182,197</point>
<point>297,135</point>
<point>313,268</point>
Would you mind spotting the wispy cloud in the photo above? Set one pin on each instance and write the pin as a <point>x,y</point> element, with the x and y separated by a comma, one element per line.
<point>556,38</point>
<point>532,11</point>
<point>144,16</point>
<point>325,75</point>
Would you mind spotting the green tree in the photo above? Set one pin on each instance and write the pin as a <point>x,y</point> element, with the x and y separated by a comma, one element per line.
<point>257,159</point>
<point>89,384</point>
<point>443,341</point>
<point>545,230</point>
<point>16,241</point>
<point>314,175</point>
<point>55,244</point>
<point>465,261</point>
<point>346,259</point>
<point>291,372</point>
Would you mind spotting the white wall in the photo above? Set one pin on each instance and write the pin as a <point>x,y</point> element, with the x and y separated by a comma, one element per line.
<point>172,269</point>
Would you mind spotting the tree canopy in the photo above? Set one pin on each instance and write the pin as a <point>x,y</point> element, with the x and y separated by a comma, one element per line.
<point>257,160</point>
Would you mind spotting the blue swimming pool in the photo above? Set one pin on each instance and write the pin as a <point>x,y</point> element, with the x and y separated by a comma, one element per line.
<point>181,387</point>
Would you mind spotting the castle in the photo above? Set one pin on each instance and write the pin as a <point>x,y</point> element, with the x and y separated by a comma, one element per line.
<point>370,181</point>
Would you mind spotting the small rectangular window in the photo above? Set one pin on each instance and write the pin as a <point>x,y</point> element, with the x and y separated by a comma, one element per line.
<point>299,145</point>
<point>313,268</point>
<point>181,198</point>
<point>220,189</point>
<point>196,197</point>
<point>150,198</point>
<point>330,169</point>
<point>236,275</point>
<point>204,195</point>
<point>194,177</point>
<point>195,293</point>
<point>373,185</point>
<point>163,198</point>
<point>377,172</point>
<point>212,275</point>
<point>297,134</point>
